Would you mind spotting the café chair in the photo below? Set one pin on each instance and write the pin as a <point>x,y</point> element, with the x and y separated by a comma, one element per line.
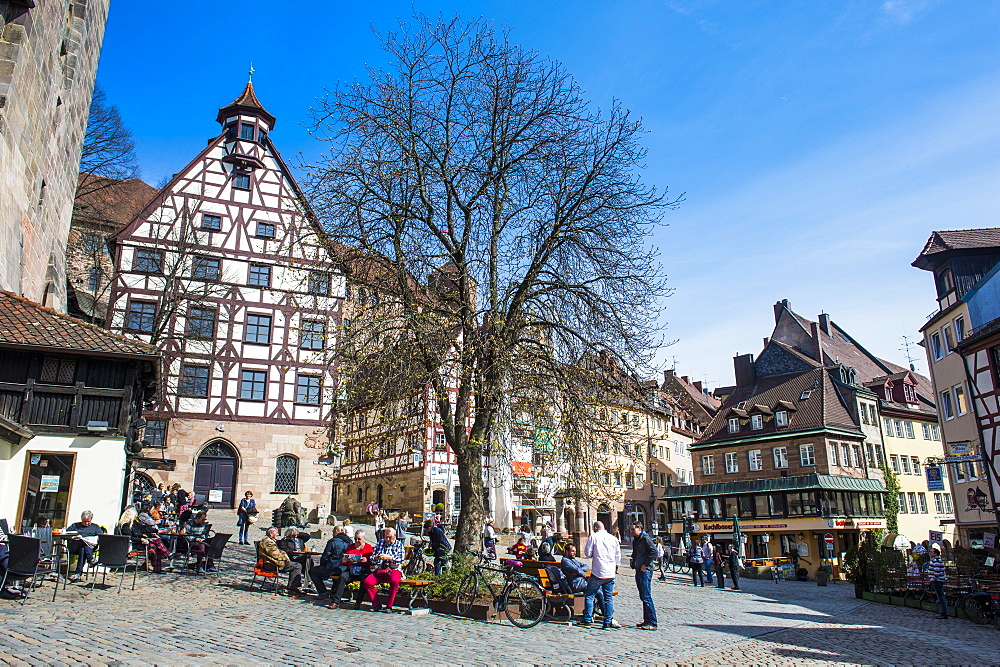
<point>22,564</point>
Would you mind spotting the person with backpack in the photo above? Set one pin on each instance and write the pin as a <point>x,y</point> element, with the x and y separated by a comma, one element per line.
<point>440,546</point>
<point>696,560</point>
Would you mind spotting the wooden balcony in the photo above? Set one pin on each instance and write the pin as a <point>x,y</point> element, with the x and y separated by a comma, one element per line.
<point>64,409</point>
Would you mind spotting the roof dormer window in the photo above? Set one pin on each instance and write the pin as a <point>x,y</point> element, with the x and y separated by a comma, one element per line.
<point>734,425</point>
<point>781,418</point>
<point>757,422</point>
<point>805,395</point>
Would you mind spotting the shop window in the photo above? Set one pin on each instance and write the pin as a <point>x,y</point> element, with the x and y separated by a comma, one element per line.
<point>746,505</point>
<point>46,489</point>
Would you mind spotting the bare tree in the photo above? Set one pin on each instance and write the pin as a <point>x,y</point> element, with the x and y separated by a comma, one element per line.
<point>108,148</point>
<point>474,186</point>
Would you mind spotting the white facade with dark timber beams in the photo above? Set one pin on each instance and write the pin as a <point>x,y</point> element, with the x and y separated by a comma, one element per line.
<point>225,271</point>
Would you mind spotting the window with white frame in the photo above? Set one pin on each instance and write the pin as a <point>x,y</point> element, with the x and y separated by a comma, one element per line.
<point>902,504</point>
<point>734,425</point>
<point>916,465</point>
<point>904,462</point>
<point>708,464</point>
<point>922,499</point>
<point>833,453</point>
<point>856,456</point>
<point>781,418</point>
<point>845,454</point>
<point>925,430</point>
<point>947,503</point>
<point>780,457</point>
<point>807,455</point>
<point>899,428</point>
<point>949,340</point>
<point>755,459</point>
<point>937,349</point>
<point>908,426</point>
<point>961,404</point>
<point>756,422</point>
<point>913,502</point>
<point>947,411</point>
<point>939,503</point>
<point>894,463</point>
<point>959,329</point>
<point>935,432</point>
<point>732,463</point>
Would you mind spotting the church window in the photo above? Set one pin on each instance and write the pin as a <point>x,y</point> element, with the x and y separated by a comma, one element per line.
<point>265,230</point>
<point>286,474</point>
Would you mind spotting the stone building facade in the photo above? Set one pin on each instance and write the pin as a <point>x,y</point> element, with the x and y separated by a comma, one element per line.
<point>49,51</point>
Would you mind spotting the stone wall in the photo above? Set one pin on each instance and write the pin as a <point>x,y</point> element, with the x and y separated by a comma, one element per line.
<point>258,446</point>
<point>48,61</point>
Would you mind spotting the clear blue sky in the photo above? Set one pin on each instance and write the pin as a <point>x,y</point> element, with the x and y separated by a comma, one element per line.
<point>818,143</point>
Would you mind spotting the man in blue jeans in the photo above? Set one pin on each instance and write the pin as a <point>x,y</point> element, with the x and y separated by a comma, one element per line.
<point>605,554</point>
<point>935,570</point>
<point>643,557</point>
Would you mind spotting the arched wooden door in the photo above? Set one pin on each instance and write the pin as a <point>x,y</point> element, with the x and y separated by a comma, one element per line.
<point>215,470</point>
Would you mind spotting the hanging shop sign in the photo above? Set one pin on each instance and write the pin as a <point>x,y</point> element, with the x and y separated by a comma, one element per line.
<point>935,481</point>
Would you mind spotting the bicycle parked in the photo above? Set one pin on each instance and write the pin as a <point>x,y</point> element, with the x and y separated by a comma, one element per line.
<point>519,596</point>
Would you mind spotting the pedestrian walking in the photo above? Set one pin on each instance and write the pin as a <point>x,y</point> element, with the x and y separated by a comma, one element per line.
<point>707,551</point>
<point>660,557</point>
<point>935,570</point>
<point>403,525</point>
<point>717,564</point>
<point>605,554</point>
<point>696,560</point>
<point>735,565</point>
<point>643,558</point>
<point>246,510</point>
<point>379,525</point>
<point>490,538</point>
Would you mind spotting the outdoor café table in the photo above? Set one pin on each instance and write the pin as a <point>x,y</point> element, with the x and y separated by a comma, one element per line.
<point>306,560</point>
<point>60,548</point>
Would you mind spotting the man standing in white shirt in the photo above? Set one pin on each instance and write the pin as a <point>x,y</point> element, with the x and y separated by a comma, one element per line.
<point>605,553</point>
<point>707,551</point>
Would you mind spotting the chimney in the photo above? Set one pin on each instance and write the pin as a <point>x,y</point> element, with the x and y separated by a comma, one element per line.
<point>685,379</point>
<point>697,385</point>
<point>766,341</point>
<point>817,342</point>
<point>779,306</point>
<point>824,323</point>
<point>745,373</point>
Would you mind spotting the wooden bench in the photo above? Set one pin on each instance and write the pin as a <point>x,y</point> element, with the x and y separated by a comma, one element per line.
<point>419,591</point>
<point>562,606</point>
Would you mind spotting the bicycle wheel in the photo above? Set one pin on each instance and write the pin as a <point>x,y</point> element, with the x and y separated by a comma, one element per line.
<point>524,603</point>
<point>468,593</point>
<point>685,567</point>
<point>978,608</point>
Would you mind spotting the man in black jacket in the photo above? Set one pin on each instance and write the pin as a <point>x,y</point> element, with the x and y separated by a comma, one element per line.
<point>329,562</point>
<point>643,557</point>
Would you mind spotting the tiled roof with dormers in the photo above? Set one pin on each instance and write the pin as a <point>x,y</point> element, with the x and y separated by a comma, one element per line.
<point>25,323</point>
<point>823,408</point>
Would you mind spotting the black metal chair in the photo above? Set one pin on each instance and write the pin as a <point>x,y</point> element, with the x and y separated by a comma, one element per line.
<point>22,562</point>
<point>113,554</point>
<point>266,571</point>
<point>216,546</point>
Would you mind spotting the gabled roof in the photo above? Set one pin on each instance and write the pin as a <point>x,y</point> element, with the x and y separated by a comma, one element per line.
<point>824,407</point>
<point>110,200</point>
<point>247,102</point>
<point>958,239</point>
<point>27,324</point>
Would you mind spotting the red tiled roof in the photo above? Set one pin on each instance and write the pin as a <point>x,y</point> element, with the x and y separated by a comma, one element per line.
<point>27,323</point>
<point>111,200</point>
<point>823,408</point>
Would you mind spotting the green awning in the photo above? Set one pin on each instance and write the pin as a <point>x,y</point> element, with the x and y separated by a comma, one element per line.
<point>802,483</point>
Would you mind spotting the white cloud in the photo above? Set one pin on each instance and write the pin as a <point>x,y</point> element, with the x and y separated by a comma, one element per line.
<point>902,11</point>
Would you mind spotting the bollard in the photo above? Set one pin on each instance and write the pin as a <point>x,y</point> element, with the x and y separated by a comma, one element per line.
<point>821,578</point>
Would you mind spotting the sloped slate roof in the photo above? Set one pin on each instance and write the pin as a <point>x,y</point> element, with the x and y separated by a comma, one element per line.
<point>25,323</point>
<point>831,482</point>
<point>823,408</point>
<point>959,239</point>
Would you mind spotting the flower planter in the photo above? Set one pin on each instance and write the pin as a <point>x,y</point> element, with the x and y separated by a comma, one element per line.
<point>882,597</point>
<point>929,606</point>
<point>865,595</point>
<point>910,602</point>
<point>478,612</point>
<point>897,600</point>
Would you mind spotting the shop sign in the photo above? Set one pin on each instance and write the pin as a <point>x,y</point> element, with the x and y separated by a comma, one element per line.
<point>856,523</point>
<point>49,484</point>
<point>727,526</point>
<point>803,549</point>
<point>958,452</point>
<point>990,540</point>
<point>934,536</point>
<point>935,482</point>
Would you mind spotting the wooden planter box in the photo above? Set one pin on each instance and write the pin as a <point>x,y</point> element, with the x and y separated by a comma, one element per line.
<point>478,612</point>
<point>882,597</point>
<point>898,601</point>
<point>929,606</point>
<point>865,595</point>
<point>915,604</point>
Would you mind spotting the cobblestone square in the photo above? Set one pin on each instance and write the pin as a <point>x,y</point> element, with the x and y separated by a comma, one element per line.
<point>187,619</point>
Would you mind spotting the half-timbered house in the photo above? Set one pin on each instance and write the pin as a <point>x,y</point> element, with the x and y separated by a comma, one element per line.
<point>227,273</point>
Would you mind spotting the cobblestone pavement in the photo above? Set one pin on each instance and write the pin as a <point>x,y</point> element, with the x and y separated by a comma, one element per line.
<point>186,619</point>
